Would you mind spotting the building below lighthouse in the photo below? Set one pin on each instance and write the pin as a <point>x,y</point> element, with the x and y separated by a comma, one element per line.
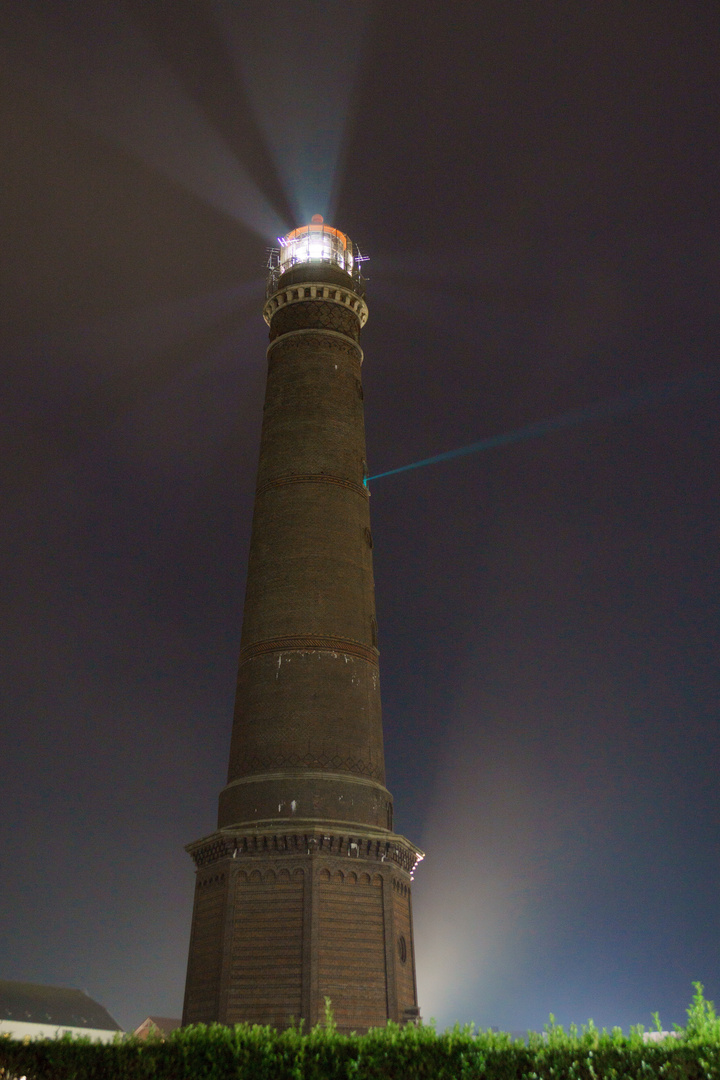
<point>304,892</point>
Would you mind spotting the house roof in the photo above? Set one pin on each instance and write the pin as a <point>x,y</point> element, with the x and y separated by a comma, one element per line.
<point>33,1003</point>
<point>164,1024</point>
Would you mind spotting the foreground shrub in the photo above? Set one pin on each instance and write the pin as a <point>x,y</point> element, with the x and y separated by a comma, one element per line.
<point>247,1052</point>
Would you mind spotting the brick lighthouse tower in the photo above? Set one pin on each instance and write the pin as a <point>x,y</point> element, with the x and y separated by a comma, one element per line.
<point>304,890</point>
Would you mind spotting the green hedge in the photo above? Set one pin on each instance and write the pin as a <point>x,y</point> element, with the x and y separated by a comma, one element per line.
<point>392,1053</point>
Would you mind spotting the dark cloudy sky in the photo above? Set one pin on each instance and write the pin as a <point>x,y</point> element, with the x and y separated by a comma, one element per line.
<point>537,186</point>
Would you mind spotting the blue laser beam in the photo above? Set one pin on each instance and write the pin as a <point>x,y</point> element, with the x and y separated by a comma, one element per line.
<point>644,398</point>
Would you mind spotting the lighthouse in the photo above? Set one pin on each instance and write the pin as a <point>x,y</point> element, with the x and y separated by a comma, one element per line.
<point>304,891</point>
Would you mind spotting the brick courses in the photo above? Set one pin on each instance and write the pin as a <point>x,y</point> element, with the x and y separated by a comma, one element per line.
<point>304,890</point>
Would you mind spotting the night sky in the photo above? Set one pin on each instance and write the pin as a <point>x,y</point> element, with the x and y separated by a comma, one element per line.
<point>538,189</point>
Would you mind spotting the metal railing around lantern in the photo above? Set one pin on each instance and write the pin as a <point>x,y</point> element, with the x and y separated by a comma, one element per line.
<point>315,243</point>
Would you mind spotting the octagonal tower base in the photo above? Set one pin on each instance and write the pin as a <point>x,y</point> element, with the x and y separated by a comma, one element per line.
<point>285,919</point>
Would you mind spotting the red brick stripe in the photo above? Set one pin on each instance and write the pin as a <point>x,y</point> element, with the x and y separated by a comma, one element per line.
<point>305,644</point>
<point>313,478</point>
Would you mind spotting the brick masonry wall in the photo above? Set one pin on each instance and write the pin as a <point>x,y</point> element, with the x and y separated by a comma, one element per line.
<point>202,992</point>
<point>303,893</point>
<point>308,690</point>
<point>265,969</point>
<point>273,938</point>
<point>351,947</point>
<point>404,946</point>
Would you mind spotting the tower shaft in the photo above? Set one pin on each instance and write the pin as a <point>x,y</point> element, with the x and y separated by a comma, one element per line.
<point>303,892</point>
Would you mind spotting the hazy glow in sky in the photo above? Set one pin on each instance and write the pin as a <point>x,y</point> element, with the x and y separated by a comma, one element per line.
<point>489,821</point>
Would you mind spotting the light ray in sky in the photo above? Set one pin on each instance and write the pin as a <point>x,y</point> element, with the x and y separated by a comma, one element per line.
<point>300,67</point>
<point>637,399</point>
<point>104,73</point>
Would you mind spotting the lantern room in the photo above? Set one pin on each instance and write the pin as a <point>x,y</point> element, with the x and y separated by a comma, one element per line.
<point>316,242</point>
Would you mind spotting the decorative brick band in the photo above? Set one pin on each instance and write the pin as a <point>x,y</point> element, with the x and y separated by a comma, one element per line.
<point>391,850</point>
<point>313,478</point>
<point>316,291</point>
<point>301,643</point>
<point>315,315</point>
<point>318,339</point>
<point>261,766</point>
